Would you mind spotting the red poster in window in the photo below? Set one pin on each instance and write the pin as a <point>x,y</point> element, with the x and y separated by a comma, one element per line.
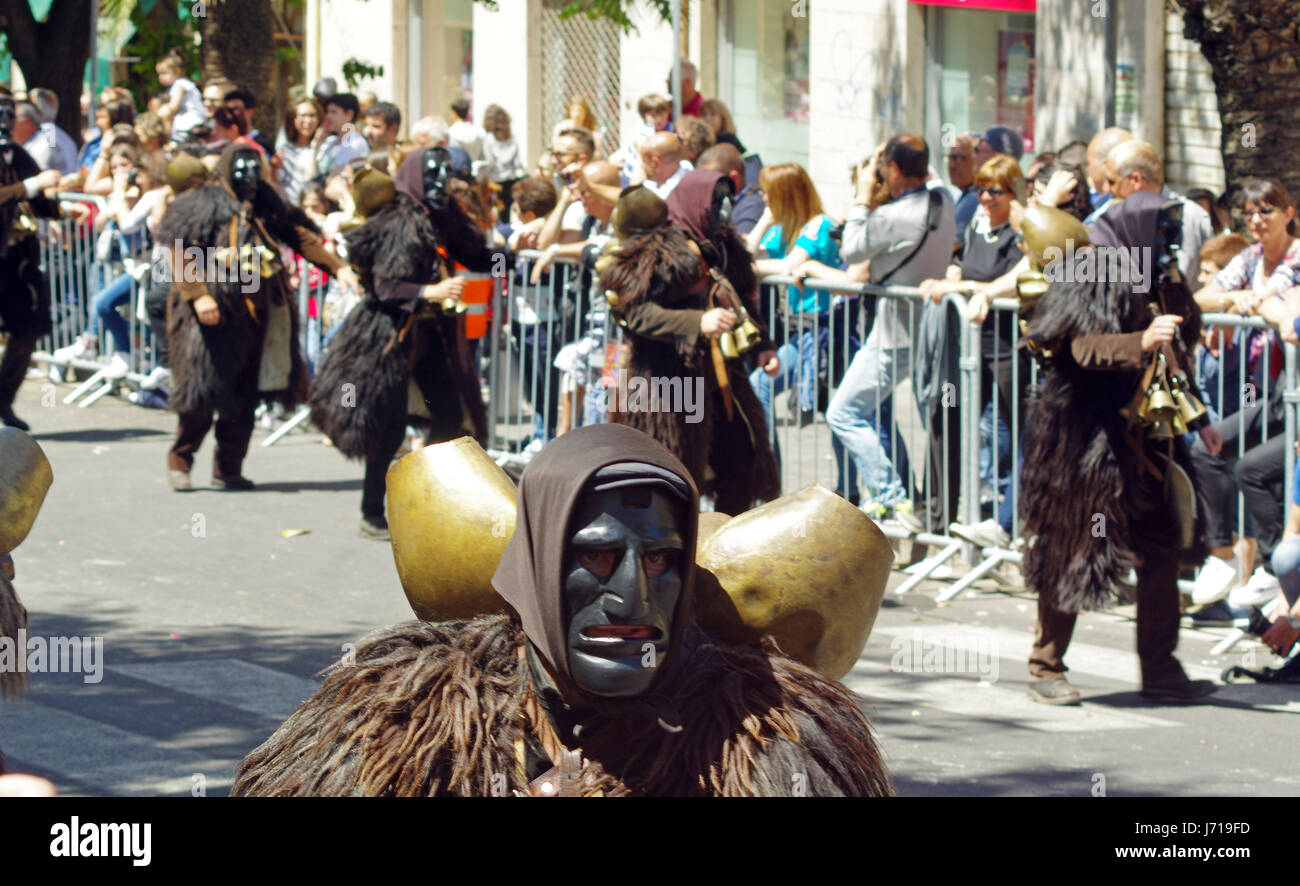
<point>999,5</point>
<point>1016,83</point>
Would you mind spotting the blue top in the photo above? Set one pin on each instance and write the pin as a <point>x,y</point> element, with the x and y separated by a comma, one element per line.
<point>815,239</point>
<point>1295,485</point>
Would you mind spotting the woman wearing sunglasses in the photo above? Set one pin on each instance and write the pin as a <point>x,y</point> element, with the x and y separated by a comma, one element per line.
<point>990,250</point>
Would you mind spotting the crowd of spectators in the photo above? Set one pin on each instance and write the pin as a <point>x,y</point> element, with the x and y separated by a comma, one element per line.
<point>905,228</point>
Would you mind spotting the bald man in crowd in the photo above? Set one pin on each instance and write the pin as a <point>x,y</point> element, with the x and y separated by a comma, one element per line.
<point>1098,148</point>
<point>748,205</point>
<point>662,157</point>
<point>1133,166</point>
<point>596,185</point>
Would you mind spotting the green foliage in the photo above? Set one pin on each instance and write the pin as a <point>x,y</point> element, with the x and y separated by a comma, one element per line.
<point>355,70</point>
<point>615,10</point>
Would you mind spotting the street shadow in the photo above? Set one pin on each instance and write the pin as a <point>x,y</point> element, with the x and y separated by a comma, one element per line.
<point>99,435</point>
<point>306,485</point>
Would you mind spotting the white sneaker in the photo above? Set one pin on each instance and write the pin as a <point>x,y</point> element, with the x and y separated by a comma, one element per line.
<point>1258,590</point>
<point>985,534</point>
<point>79,349</point>
<point>1214,581</point>
<point>117,367</point>
<point>157,377</point>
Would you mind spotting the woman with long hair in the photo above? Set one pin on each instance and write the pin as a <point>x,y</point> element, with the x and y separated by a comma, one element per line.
<point>794,237</point>
<point>295,162</point>
<point>715,113</point>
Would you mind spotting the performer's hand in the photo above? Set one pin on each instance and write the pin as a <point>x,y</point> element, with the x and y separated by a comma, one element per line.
<point>452,287</point>
<point>1281,636</point>
<point>349,279</point>
<point>47,179</point>
<point>1160,333</point>
<point>717,321</point>
<point>205,306</point>
<point>1212,439</point>
<point>770,362</point>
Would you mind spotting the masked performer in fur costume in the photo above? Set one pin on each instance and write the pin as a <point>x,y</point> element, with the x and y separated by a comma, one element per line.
<point>1100,492</point>
<point>677,300</point>
<point>399,357</point>
<point>599,682</point>
<point>24,296</point>
<point>232,319</point>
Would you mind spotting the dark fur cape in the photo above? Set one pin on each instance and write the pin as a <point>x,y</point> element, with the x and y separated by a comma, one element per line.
<point>658,267</point>
<point>1078,467</point>
<point>399,242</point>
<point>440,709</point>
<point>213,367</point>
<point>13,618</point>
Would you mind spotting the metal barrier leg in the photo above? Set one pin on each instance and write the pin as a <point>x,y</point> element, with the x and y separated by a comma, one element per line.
<point>303,413</point>
<point>927,566</point>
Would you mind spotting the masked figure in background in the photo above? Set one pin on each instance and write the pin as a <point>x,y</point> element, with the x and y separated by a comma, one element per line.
<point>401,356</point>
<point>677,301</point>
<point>232,316</point>
<point>24,296</point>
<point>1103,492</point>
<point>599,682</point>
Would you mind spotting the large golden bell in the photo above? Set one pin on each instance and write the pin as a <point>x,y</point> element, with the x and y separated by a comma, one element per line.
<point>1189,408</point>
<point>451,510</point>
<point>1049,233</point>
<point>808,568</point>
<point>25,477</point>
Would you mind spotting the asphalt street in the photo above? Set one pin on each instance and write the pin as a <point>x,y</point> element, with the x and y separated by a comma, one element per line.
<point>216,610</point>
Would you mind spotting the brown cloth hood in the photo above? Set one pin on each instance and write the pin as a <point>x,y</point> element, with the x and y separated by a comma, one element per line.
<point>690,202</point>
<point>530,575</point>
<point>410,176</point>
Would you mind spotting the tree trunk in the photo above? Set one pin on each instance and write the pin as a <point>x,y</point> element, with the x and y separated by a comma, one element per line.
<point>239,44</point>
<point>1253,47</point>
<point>52,54</point>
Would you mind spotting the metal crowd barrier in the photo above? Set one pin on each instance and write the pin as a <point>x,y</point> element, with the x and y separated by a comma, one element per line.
<point>76,276</point>
<point>993,557</point>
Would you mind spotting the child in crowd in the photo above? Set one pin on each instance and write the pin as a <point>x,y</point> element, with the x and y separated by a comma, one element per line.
<point>184,107</point>
<point>655,111</point>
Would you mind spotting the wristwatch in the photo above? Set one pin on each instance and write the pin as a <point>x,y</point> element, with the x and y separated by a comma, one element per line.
<point>1295,622</point>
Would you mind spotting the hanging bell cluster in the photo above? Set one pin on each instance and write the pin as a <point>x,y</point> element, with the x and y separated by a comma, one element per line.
<point>1168,407</point>
<point>742,339</point>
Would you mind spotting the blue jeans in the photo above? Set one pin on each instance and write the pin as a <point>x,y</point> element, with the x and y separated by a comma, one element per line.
<point>105,314</point>
<point>867,383</point>
<point>1286,566</point>
<point>799,365</point>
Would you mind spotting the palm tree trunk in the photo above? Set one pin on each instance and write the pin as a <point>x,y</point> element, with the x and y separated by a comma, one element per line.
<point>52,53</point>
<point>1253,47</point>
<point>239,44</point>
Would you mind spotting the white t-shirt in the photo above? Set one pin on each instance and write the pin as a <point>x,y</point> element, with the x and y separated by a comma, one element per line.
<point>190,113</point>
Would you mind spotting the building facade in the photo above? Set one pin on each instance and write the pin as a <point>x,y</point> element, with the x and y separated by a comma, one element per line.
<point>818,82</point>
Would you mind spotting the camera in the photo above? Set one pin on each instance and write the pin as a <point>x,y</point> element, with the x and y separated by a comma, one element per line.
<point>131,178</point>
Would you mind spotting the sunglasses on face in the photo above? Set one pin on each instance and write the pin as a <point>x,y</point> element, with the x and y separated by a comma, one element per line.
<point>1262,212</point>
<point>959,156</point>
<point>992,192</point>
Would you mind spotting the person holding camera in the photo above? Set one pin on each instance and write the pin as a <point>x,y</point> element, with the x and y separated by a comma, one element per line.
<point>139,185</point>
<point>906,230</point>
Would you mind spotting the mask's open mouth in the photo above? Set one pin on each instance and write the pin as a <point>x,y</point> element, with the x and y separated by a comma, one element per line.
<point>622,633</point>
